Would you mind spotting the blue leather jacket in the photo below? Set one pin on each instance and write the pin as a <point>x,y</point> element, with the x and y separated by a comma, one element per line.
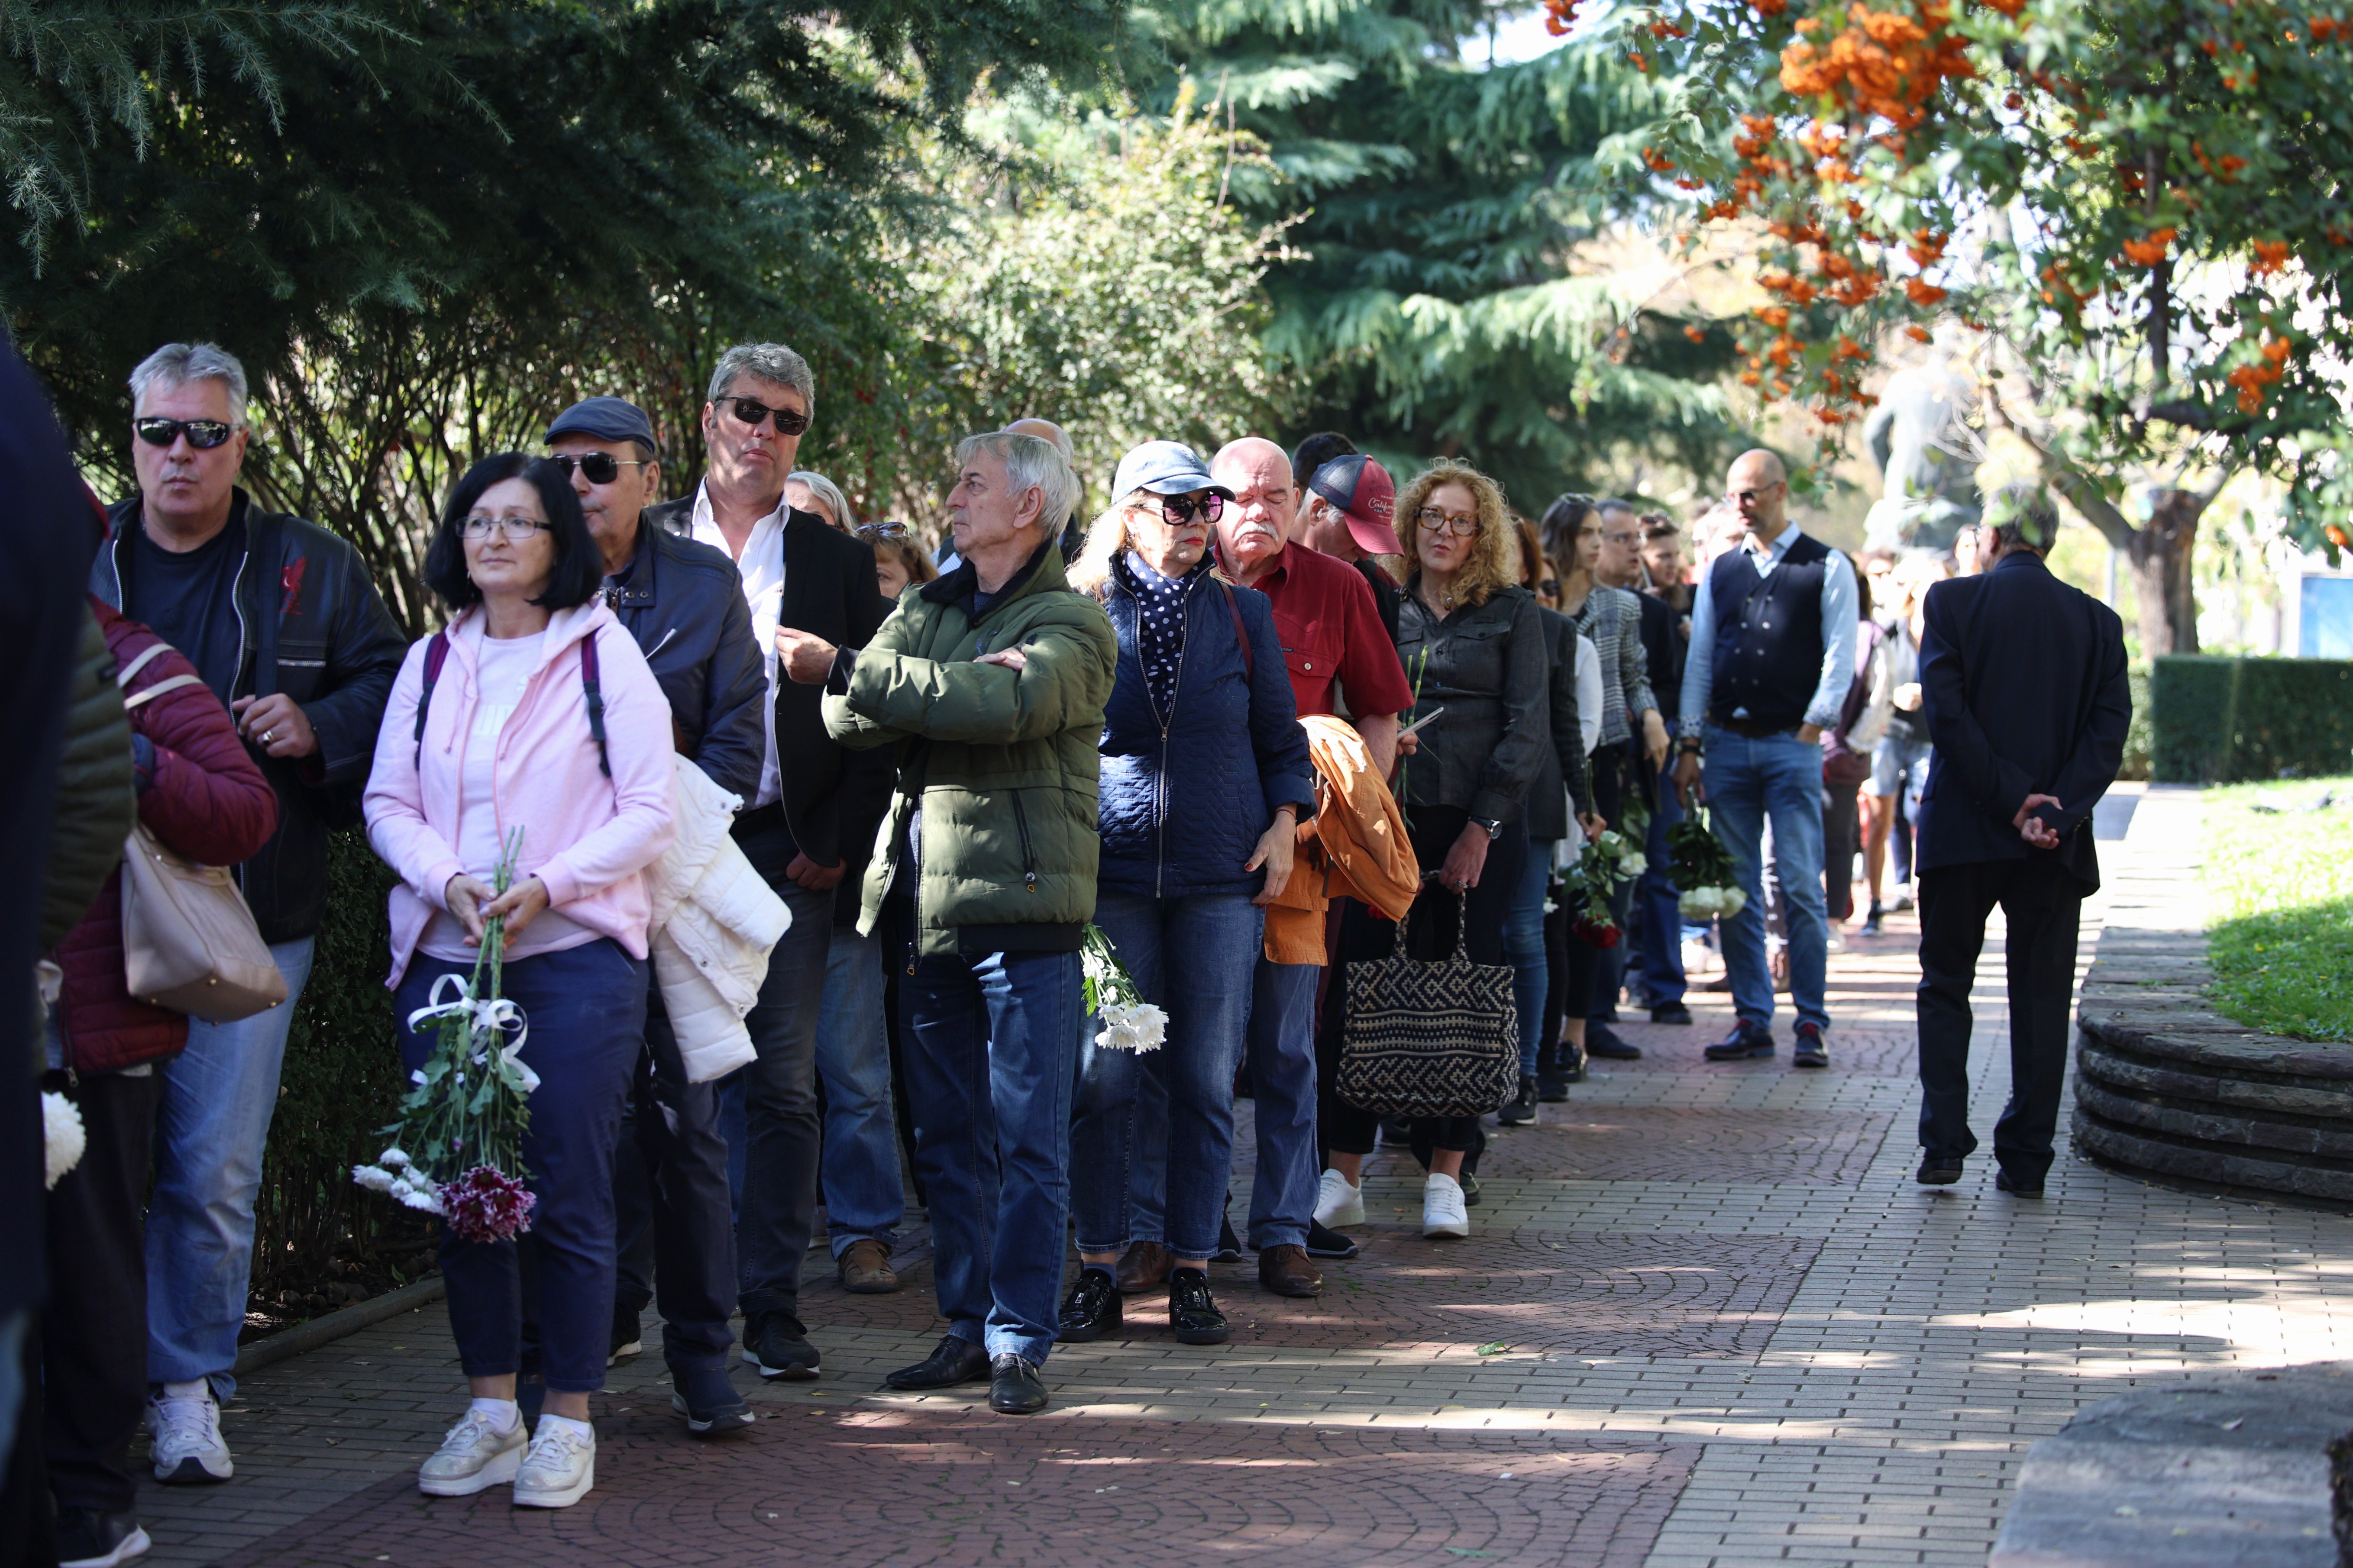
<point>1186,795</point>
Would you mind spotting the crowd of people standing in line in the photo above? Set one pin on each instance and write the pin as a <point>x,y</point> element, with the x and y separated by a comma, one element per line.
<point>1184,722</point>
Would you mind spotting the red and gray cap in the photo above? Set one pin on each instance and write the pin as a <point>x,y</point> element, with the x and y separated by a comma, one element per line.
<point>1365,496</point>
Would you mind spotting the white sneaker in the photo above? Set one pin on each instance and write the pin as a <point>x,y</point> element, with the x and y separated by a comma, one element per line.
<point>559,1467</point>
<point>1836,942</point>
<point>474,1456</point>
<point>189,1449</point>
<point>1339,1202</point>
<point>1444,1214</point>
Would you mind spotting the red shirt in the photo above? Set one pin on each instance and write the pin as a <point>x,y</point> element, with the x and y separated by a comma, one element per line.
<point>1331,631</point>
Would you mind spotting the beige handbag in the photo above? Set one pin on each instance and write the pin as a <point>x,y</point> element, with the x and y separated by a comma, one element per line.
<point>189,942</point>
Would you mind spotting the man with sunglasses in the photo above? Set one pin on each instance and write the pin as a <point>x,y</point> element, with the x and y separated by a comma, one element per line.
<point>1336,650</point>
<point>802,579</point>
<point>683,602</point>
<point>280,620</point>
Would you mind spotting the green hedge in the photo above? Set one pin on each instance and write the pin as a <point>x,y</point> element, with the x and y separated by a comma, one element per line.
<point>313,1224</point>
<point>2229,721</point>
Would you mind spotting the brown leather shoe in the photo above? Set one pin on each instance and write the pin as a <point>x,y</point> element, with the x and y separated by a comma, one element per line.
<point>1286,1271</point>
<point>1143,1267</point>
<point>865,1270</point>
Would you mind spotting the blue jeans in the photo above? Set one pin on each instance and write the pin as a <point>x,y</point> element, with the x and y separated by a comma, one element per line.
<point>1523,945</point>
<point>863,1198</point>
<point>1282,1086</point>
<point>587,1011</point>
<point>209,1133</point>
<point>991,1047</point>
<point>1661,945</point>
<point>1148,1154</point>
<point>1195,957</point>
<point>1746,779</point>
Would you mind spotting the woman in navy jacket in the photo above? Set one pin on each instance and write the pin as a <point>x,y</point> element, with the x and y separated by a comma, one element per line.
<point>1205,774</point>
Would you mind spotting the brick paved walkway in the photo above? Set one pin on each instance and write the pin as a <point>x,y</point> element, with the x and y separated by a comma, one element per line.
<point>1706,1318</point>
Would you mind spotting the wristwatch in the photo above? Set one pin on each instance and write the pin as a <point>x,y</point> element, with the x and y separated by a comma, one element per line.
<point>1494,828</point>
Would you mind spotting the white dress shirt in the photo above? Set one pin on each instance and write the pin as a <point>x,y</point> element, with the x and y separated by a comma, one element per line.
<point>763,566</point>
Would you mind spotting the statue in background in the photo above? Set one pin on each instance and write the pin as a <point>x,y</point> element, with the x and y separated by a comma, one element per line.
<point>1927,452</point>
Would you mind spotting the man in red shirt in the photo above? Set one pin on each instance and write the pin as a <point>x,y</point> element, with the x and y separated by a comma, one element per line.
<point>1340,657</point>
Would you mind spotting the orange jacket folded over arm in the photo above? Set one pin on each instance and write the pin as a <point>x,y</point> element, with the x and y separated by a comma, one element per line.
<point>1355,848</point>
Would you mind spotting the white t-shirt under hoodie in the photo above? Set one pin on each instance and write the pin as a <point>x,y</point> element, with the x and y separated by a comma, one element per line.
<point>504,666</point>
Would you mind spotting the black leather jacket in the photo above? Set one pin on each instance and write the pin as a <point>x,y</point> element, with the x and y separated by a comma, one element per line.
<point>684,603</point>
<point>312,627</point>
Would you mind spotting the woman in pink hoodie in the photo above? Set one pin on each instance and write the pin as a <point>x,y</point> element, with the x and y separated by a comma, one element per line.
<point>534,710</point>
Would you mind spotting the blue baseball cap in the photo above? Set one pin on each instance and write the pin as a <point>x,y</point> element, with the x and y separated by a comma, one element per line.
<point>1164,469</point>
<point>606,419</point>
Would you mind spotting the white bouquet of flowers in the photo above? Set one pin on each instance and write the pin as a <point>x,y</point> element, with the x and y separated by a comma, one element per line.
<point>1130,1022</point>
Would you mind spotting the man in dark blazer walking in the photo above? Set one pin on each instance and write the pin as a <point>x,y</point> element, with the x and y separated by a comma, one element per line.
<point>798,574</point>
<point>2027,704</point>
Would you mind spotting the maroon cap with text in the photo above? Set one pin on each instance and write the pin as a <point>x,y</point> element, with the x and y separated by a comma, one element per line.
<point>1364,494</point>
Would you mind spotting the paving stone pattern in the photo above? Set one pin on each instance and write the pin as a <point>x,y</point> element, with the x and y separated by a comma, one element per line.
<point>1763,1345</point>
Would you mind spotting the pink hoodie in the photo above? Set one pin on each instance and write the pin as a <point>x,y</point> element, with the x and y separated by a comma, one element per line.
<point>588,837</point>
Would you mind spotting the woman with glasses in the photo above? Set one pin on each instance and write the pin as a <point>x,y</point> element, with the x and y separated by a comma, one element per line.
<point>899,559</point>
<point>1472,643</point>
<point>533,715</point>
<point>1612,619</point>
<point>1204,776</point>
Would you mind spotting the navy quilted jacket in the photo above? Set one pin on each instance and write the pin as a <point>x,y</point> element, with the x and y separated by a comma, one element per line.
<point>1185,800</point>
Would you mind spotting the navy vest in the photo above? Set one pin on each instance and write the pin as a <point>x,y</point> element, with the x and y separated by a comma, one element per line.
<point>1769,636</point>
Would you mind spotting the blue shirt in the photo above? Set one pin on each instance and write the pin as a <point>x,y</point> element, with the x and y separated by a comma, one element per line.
<point>1838,636</point>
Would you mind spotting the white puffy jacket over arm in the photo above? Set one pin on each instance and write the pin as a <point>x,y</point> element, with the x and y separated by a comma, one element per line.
<point>715,920</point>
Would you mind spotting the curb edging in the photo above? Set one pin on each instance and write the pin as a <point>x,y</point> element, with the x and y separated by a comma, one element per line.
<point>327,1328</point>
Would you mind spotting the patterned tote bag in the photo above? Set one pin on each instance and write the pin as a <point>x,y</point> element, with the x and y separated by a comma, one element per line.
<point>1437,1038</point>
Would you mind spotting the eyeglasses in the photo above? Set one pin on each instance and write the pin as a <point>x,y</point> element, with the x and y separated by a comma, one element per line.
<point>602,468</point>
<point>872,531</point>
<point>752,412</point>
<point>1180,511</point>
<point>204,435</point>
<point>1462,525</point>
<point>504,527</point>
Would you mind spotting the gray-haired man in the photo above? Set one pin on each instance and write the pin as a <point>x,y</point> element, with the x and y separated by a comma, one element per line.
<point>799,575</point>
<point>280,619</point>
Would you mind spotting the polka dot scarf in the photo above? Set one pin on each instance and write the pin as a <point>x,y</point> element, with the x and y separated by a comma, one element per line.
<point>1159,625</point>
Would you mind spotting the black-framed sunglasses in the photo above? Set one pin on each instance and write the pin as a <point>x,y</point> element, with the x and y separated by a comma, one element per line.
<point>1178,510</point>
<point>204,435</point>
<point>602,468</point>
<point>752,412</point>
<point>874,531</point>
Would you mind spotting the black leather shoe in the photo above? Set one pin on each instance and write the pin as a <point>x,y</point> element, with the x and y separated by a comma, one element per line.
<point>627,1340</point>
<point>956,1361</point>
<point>1191,1313</point>
<point>1810,1051</point>
<point>708,1400</point>
<point>1092,1309</point>
<point>2017,1186</point>
<point>1522,1109</point>
<point>778,1347</point>
<point>88,1538</point>
<point>1746,1040</point>
<point>1014,1386</point>
<point>1671,1013</point>
<point>1604,1044</point>
<point>1938,1172</point>
<point>1322,1241</point>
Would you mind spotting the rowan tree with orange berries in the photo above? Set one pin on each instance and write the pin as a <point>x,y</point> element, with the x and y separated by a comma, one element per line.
<point>2138,209</point>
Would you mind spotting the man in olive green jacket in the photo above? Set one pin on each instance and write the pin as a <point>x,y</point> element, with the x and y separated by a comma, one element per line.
<point>991,682</point>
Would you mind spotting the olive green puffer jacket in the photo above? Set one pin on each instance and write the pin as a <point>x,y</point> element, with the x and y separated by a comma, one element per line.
<point>1000,765</point>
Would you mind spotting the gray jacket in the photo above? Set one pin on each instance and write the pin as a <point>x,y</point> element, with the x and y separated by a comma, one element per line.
<point>1563,780</point>
<point>1487,666</point>
<point>1612,617</point>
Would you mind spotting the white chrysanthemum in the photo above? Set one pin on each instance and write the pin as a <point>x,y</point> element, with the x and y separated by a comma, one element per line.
<point>62,1135</point>
<point>375,1178</point>
<point>392,1158</point>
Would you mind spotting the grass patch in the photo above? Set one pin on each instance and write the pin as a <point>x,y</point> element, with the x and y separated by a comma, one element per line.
<point>2279,886</point>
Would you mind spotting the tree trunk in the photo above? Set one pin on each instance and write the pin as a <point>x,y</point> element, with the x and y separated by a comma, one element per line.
<point>2160,553</point>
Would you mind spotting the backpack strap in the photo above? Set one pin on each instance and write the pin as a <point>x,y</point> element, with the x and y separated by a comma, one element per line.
<point>594,693</point>
<point>1241,633</point>
<point>437,654</point>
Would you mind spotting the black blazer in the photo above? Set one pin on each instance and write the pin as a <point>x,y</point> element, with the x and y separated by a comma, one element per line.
<point>2024,693</point>
<point>829,592</point>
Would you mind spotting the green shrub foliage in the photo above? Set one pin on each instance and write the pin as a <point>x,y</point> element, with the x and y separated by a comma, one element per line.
<point>2226,720</point>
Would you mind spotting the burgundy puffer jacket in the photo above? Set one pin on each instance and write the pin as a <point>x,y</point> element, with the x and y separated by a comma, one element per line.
<point>204,798</point>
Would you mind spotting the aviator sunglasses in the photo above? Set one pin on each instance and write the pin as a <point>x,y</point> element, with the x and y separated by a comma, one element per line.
<point>204,435</point>
<point>751,411</point>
